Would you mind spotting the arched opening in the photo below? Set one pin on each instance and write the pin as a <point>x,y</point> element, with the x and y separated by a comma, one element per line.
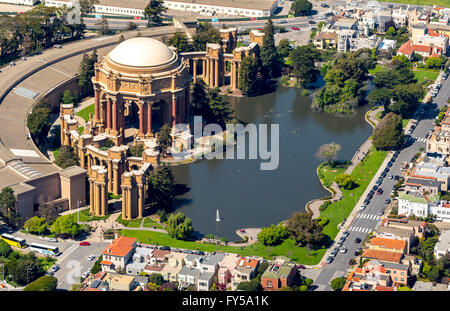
<point>158,118</point>
<point>132,115</point>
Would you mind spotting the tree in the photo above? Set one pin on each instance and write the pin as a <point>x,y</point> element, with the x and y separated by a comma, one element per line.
<point>156,278</point>
<point>5,249</point>
<point>305,230</point>
<point>86,71</point>
<point>24,269</point>
<point>103,26</point>
<point>68,98</point>
<point>66,157</point>
<point>220,110</point>
<point>328,152</point>
<point>38,122</point>
<point>270,59</point>
<point>45,283</point>
<point>345,181</point>
<point>65,225</point>
<point>8,207</point>
<point>205,33</point>
<point>284,47</point>
<point>273,235</point>
<point>406,99</point>
<point>199,96</point>
<point>301,7</point>
<point>180,41</point>
<point>253,285</point>
<point>161,188</point>
<point>248,82</point>
<point>164,139</point>
<point>97,267</point>
<point>87,6</point>
<point>136,151</point>
<point>388,134</point>
<point>153,12</point>
<point>303,63</point>
<point>36,225</point>
<point>434,62</point>
<point>338,283</point>
<point>179,226</point>
<point>380,96</point>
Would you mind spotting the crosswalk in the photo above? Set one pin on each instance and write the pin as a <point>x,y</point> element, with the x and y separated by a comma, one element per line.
<point>360,229</point>
<point>420,139</point>
<point>368,216</point>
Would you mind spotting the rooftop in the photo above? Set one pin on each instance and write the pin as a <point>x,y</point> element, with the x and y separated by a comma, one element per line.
<point>276,271</point>
<point>120,246</point>
<point>422,182</point>
<point>382,255</point>
<point>388,243</point>
<point>240,4</point>
<point>418,198</point>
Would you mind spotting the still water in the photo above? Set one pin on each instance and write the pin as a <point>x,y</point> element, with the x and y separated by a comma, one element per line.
<point>248,197</point>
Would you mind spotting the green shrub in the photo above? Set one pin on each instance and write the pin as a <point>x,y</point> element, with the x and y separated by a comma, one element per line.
<point>273,235</point>
<point>45,283</point>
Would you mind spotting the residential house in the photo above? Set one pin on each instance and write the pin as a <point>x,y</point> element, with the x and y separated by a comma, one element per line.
<point>383,22</point>
<point>193,260</point>
<point>396,233</point>
<point>382,255</point>
<point>389,245</point>
<point>442,247</point>
<point>188,276</point>
<point>175,262</point>
<point>205,281</point>
<point>141,281</point>
<point>210,262</point>
<point>118,253</point>
<point>326,40</point>
<point>400,18</point>
<point>118,282</point>
<point>245,270</point>
<point>418,227</point>
<point>423,186</point>
<point>386,46</point>
<point>399,273</point>
<point>279,274</point>
<point>412,203</point>
<point>159,256</point>
<point>140,259</point>
<point>371,277</point>
<point>226,268</point>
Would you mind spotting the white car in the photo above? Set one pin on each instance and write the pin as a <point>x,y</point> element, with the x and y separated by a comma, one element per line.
<point>85,275</point>
<point>53,240</point>
<point>362,207</point>
<point>91,257</point>
<point>344,250</point>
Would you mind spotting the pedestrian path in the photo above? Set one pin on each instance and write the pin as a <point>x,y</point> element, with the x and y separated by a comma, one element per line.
<point>360,229</point>
<point>368,216</point>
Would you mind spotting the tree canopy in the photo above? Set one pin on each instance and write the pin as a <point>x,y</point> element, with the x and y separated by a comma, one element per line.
<point>273,235</point>
<point>305,230</point>
<point>248,81</point>
<point>38,122</point>
<point>303,62</point>
<point>86,71</point>
<point>161,188</point>
<point>180,41</point>
<point>328,152</point>
<point>338,283</point>
<point>270,59</point>
<point>36,225</point>
<point>45,283</point>
<point>8,207</point>
<point>345,181</point>
<point>301,7</point>
<point>205,33</point>
<point>66,157</point>
<point>65,225</point>
<point>179,226</point>
<point>164,139</point>
<point>388,134</point>
<point>153,12</point>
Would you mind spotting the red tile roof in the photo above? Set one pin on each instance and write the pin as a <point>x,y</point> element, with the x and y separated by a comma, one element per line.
<point>389,243</point>
<point>120,246</point>
<point>106,263</point>
<point>382,255</point>
<point>381,288</point>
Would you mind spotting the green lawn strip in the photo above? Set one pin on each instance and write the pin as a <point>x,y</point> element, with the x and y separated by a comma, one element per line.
<point>84,113</point>
<point>327,173</point>
<point>423,75</point>
<point>287,248</point>
<point>443,3</point>
<point>149,223</point>
<point>405,122</point>
<point>47,262</point>
<point>85,216</point>
<point>363,173</point>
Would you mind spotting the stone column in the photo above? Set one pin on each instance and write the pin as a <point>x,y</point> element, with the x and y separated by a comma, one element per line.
<point>110,177</point>
<point>140,201</point>
<point>116,180</point>
<point>174,110</point>
<point>236,75</point>
<point>104,206</point>
<point>216,73</point>
<point>108,114</point>
<point>194,70</point>
<point>206,71</point>
<point>91,195</point>
<point>124,205</point>
<point>97,199</point>
<point>97,104</point>
<point>129,202</point>
<point>114,115</point>
<point>141,118</point>
<point>149,118</point>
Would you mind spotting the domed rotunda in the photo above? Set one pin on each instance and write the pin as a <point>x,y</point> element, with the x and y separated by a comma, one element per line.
<point>140,83</point>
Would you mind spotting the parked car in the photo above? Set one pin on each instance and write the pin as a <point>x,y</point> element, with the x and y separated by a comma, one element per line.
<point>12,63</point>
<point>330,259</point>
<point>390,176</point>
<point>85,275</point>
<point>334,251</point>
<point>85,243</point>
<point>381,212</point>
<point>311,22</point>
<point>340,243</point>
<point>165,248</point>
<point>283,21</point>
<point>387,201</point>
<point>324,5</point>
<point>53,269</point>
<point>295,28</point>
<point>54,240</point>
<point>362,207</point>
<point>91,257</point>
<point>445,76</point>
<point>344,250</point>
<point>301,267</point>
<point>380,191</point>
<point>357,240</point>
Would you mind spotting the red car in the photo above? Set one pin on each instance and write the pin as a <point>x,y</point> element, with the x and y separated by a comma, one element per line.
<point>379,191</point>
<point>84,243</point>
<point>295,28</point>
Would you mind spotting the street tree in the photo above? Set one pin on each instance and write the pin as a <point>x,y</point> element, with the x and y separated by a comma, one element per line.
<point>103,26</point>
<point>328,152</point>
<point>338,283</point>
<point>36,225</point>
<point>38,122</point>
<point>65,225</point>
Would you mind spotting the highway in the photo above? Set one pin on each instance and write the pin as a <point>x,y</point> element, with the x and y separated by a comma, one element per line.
<point>369,219</point>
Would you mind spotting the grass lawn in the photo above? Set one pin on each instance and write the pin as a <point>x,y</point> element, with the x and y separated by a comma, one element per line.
<point>424,75</point>
<point>56,153</point>
<point>47,262</point>
<point>287,248</point>
<point>84,113</point>
<point>149,223</point>
<point>444,3</point>
<point>376,69</point>
<point>85,216</point>
<point>134,223</point>
<point>327,173</point>
<point>405,122</point>
<point>363,173</point>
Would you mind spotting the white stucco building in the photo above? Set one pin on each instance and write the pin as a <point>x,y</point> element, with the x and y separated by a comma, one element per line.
<point>411,203</point>
<point>442,247</point>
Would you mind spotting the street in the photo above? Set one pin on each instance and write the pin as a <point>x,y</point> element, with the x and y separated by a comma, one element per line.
<point>369,219</point>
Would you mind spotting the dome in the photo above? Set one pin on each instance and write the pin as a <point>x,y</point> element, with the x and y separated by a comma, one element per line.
<point>141,52</point>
